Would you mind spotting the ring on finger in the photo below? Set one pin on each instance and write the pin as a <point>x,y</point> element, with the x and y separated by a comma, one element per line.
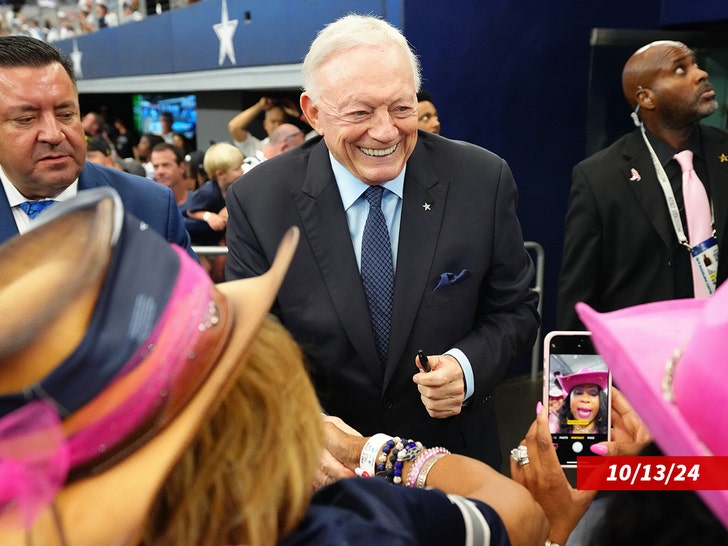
<point>520,455</point>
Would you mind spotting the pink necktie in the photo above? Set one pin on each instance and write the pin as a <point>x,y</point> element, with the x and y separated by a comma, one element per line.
<point>697,212</point>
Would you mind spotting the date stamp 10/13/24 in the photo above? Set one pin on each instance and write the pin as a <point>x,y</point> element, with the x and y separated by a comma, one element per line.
<point>652,473</point>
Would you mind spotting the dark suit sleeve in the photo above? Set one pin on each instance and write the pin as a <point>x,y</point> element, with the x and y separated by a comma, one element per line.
<point>245,258</point>
<point>145,199</point>
<point>507,319</point>
<point>579,278</point>
<point>176,231</point>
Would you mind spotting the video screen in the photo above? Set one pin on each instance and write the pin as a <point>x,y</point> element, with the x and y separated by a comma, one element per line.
<point>149,106</point>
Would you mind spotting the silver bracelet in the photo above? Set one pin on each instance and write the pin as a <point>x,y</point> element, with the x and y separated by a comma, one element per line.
<point>422,478</point>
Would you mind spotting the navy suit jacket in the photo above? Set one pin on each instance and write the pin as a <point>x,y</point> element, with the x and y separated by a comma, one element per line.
<point>145,199</point>
<point>620,248</point>
<point>471,224</point>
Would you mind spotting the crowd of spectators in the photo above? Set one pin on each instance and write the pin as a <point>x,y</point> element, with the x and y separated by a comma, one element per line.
<point>54,20</point>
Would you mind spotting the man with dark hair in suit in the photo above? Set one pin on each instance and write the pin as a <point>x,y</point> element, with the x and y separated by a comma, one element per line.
<point>43,146</point>
<point>454,248</point>
<point>622,247</point>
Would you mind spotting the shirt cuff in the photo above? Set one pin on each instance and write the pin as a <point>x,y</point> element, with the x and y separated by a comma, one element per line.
<point>467,370</point>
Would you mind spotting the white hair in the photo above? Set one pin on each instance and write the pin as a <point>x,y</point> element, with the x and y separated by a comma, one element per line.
<point>349,32</point>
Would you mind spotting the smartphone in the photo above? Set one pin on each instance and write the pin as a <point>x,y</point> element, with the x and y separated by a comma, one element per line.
<point>577,390</point>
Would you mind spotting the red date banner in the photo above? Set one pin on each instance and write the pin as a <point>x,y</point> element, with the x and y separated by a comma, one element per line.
<point>654,473</point>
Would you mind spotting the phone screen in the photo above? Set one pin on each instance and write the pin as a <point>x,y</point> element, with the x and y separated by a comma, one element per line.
<point>577,393</point>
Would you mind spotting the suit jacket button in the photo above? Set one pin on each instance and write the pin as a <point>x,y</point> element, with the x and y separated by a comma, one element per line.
<point>387,404</point>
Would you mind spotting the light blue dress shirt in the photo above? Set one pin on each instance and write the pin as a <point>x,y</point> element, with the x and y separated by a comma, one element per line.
<point>357,209</point>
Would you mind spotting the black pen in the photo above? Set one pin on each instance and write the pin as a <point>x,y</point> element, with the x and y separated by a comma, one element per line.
<point>423,360</point>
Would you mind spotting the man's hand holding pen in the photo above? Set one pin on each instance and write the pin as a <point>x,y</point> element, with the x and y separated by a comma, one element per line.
<point>442,388</point>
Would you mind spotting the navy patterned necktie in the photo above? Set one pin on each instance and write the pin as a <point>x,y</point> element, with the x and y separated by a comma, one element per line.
<point>34,208</point>
<point>377,270</point>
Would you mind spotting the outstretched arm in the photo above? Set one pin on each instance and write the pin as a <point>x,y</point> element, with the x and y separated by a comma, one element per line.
<point>456,474</point>
<point>238,125</point>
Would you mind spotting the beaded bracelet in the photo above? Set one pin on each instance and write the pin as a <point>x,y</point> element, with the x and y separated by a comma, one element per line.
<point>394,453</point>
<point>369,452</point>
<point>422,465</point>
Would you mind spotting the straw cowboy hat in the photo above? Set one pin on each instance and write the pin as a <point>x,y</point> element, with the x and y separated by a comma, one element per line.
<point>114,347</point>
<point>670,360</point>
<point>584,376</point>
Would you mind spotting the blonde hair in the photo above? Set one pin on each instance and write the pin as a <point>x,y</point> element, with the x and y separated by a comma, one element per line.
<point>221,156</point>
<point>247,476</point>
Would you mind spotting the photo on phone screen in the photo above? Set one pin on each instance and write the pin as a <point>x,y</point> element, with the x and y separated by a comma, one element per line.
<point>577,393</point>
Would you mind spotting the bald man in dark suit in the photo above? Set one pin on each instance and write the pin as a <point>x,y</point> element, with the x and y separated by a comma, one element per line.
<point>621,248</point>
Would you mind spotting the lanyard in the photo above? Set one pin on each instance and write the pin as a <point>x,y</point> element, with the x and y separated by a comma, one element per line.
<point>670,196</point>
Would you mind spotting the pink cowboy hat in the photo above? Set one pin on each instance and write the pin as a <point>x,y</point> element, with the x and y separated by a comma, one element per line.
<point>670,359</point>
<point>583,377</point>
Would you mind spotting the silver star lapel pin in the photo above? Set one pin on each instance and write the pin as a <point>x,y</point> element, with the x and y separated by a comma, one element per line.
<point>427,206</point>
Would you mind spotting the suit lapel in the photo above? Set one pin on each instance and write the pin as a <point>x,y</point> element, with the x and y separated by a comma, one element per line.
<point>423,207</point>
<point>86,179</point>
<point>647,189</point>
<point>8,227</point>
<point>715,148</point>
<point>324,222</point>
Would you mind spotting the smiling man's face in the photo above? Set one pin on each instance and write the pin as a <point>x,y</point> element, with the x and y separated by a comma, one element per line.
<point>367,112</point>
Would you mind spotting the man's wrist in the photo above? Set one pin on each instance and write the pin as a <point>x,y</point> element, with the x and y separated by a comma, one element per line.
<point>206,216</point>
<point>467,370</point>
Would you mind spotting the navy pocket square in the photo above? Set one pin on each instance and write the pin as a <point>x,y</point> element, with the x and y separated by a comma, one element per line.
<point>450,279</point>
